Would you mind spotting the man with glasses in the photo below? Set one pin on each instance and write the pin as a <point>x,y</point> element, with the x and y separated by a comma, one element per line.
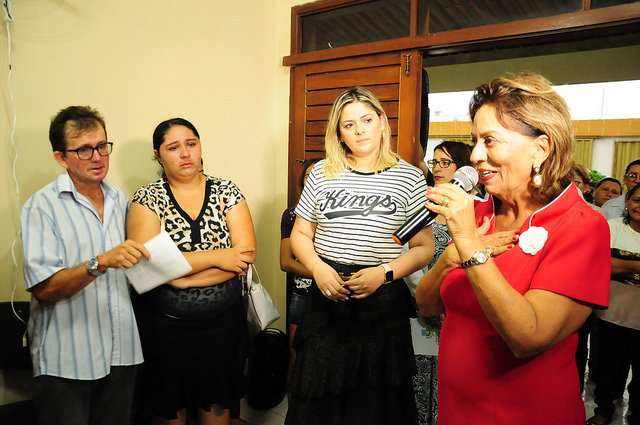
<point>84,340</point>
<point>614,208</point>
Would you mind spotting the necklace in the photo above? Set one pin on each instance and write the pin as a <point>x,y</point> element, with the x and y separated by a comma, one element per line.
<point>634,233</point>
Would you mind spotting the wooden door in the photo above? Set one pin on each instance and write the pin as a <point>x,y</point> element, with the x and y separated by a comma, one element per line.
<point>395,78</point>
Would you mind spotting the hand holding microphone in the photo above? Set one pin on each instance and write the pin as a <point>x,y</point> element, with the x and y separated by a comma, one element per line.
<point>465,177</point>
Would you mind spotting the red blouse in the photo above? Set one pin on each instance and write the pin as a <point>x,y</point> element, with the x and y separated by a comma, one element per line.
<point>479,379</point>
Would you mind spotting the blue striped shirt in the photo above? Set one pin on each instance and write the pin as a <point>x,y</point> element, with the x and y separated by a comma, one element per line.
<point>82,336</point>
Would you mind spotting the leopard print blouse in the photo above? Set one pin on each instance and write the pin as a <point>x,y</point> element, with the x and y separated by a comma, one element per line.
<point>208,231</point>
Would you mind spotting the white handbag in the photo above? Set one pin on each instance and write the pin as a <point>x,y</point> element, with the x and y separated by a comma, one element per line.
<point>261,311</point>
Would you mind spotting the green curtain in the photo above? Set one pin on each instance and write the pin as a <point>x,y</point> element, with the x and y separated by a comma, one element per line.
<point>624,152</point>
<point>584,152</point>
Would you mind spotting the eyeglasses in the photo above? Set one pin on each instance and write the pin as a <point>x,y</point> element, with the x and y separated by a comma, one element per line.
<point>86,152</point>
<point>632,176</point>
<point>443,163</point>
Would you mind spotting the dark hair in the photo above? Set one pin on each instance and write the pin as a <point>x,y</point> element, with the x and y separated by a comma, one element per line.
<point>459,152</point>
<point>626,218</point>
<point>73,120</point>
<point>161,131</point>
<point>631,164</point>
<point>609,179</point>
<point>305,166</point>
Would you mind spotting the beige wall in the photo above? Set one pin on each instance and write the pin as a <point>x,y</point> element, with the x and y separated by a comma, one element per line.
<point>216,63</point>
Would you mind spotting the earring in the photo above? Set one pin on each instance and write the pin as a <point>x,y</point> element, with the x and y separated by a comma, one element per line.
<point>537,178</point>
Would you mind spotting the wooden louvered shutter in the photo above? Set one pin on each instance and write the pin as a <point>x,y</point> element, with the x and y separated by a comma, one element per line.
<point>395,78</point>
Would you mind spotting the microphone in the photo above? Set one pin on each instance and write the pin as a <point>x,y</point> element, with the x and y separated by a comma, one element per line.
<point>465,177</point>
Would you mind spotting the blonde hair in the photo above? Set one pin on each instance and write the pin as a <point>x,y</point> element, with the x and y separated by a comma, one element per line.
<point>526,103</point>
<point>337,152</point>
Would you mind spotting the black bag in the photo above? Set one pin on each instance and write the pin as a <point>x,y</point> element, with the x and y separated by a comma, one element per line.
<point>14,354</point>
<point>267,369</point>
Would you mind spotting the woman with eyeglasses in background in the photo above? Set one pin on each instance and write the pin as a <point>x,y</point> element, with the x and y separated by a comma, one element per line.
<point>582,179</point>
<point>448,156</point>
<point>614,208</point>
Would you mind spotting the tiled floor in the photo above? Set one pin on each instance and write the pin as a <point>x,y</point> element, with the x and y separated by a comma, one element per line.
<point>276,415</point>
<point>621,404</point>
<point>273,416</point>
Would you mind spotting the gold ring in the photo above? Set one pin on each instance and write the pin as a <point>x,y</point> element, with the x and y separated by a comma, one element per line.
<point>445,202</point>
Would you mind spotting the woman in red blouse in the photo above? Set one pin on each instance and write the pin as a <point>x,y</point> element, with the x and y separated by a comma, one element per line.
<point>512,314</point>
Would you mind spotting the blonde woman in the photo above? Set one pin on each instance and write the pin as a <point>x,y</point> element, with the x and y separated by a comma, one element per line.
<point>354,354</point>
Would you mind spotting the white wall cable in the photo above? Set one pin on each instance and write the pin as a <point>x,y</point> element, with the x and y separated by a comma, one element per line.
<point>8,5</point>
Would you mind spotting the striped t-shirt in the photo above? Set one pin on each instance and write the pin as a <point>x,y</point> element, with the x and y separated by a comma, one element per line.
<point>357,213</point>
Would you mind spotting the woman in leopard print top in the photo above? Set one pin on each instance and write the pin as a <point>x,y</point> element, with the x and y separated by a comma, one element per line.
<point>193,329</point>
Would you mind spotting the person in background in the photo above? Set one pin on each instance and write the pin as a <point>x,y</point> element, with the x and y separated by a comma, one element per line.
<point>193,329</point>
<point>448,156</point>
<point>582,179</point>
<point>288,263</point>
<point>424,167</point>
<point>509,337</point>
<point>619,337</point>
<point>606,189</point>
<point>614,208</point>
<point>354,354</point>
<point>82,330</point>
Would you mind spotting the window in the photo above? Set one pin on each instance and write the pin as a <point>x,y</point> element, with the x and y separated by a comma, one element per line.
<point>624,152</point>
<point>328,24</point>
<point>447,15</point>
<point>361,23</point>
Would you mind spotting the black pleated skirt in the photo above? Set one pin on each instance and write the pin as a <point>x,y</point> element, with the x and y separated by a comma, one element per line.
<point>355,359</point>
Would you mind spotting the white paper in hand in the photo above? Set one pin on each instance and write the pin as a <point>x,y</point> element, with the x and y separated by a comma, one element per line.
<point>167,263</point>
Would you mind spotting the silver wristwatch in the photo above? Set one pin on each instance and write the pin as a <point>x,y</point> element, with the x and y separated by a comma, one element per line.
<point>480,257</point>
<point>92,267</point>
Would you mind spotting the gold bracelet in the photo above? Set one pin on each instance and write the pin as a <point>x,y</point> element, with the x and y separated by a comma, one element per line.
<point>313,269</point>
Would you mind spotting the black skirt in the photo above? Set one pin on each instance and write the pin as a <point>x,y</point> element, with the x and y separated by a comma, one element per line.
<point>355,359</point>
<point>193,363</point>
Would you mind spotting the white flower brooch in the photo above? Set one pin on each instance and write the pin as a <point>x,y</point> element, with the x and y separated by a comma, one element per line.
<point>533,240</point>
